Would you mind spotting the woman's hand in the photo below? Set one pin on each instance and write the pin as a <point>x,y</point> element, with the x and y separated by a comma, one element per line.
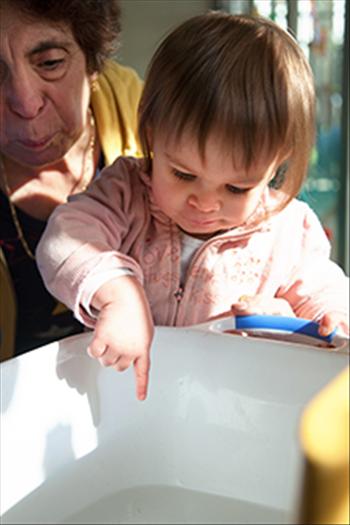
<point>124,329</point>
<point>262,305</point>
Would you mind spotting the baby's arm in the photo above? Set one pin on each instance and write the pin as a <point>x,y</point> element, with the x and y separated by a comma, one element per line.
<point>305,283</point>
<point>320,292</point>
<point>124,328</point>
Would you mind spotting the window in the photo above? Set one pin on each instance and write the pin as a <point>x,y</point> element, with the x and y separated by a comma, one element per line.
<point>319,26</point>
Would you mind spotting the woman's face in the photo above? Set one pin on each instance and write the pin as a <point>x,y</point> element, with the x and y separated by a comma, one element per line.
<point>44,89</point>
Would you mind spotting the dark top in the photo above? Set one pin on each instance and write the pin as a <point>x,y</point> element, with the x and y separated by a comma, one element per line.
<point>37,321</point>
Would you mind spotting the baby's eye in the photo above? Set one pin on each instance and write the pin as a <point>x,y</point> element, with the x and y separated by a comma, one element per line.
<point>235,189</point>
<point>184,176</point>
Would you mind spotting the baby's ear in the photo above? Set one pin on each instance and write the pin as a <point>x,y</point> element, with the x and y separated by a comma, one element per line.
<point>278,179</point>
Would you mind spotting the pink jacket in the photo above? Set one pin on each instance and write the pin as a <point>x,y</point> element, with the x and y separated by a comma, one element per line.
<point>116,224</point>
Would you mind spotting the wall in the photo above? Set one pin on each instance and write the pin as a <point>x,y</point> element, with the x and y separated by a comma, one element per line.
<point>145,22</point>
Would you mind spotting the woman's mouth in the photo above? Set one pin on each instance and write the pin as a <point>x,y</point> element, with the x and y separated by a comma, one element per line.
<point>36,144</point>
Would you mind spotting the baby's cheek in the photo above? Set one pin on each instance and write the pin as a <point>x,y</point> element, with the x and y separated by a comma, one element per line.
<point>157,194</point>
<point>241,211</point>
<point>251,205</point>
<point>164,200</point>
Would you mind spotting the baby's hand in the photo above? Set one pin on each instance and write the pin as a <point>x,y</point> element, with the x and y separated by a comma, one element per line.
<point>330,322</point>
<point>124,329</point>
<point>262,305</point>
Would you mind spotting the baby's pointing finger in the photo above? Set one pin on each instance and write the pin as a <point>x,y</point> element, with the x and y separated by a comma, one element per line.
<point>141,368</point>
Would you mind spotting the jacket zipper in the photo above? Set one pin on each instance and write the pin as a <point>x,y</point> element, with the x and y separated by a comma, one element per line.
<point>179,293</point>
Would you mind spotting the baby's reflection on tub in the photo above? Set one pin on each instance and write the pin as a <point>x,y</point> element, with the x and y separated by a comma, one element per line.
<point>81,373</point>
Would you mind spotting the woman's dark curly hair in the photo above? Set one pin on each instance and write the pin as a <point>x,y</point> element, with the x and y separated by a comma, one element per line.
<point>95,24</point>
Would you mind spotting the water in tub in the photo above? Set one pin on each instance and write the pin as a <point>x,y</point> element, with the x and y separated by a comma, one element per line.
<point>161,504</point>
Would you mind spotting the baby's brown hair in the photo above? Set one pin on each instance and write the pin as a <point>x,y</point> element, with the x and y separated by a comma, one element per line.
<point>243,78</point>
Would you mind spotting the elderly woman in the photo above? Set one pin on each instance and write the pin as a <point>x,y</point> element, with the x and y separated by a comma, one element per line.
<point>66,110</point>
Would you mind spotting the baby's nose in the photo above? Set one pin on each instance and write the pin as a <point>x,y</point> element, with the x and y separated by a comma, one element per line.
<point>204,202</point>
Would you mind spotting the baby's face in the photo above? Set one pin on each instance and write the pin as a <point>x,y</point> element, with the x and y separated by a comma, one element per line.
<point>205,196</point>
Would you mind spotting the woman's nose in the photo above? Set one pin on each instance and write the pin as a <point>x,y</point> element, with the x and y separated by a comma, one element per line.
<point>23,96</point>
<point>205,202</point>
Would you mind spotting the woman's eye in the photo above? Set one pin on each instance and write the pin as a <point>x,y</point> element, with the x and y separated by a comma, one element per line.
<point>234,189</point>
<point>184,176</point>
<point>51,64</point>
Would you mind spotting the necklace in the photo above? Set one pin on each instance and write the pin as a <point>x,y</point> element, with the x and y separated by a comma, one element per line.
<point>84,178</point>
<point>82,184</point>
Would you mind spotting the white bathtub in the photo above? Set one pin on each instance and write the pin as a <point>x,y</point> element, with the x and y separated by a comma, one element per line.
<point>216,441</point>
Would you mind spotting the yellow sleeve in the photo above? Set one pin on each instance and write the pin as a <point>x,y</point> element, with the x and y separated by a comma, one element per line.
<point>114,100</point>
<point>7,312</point>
